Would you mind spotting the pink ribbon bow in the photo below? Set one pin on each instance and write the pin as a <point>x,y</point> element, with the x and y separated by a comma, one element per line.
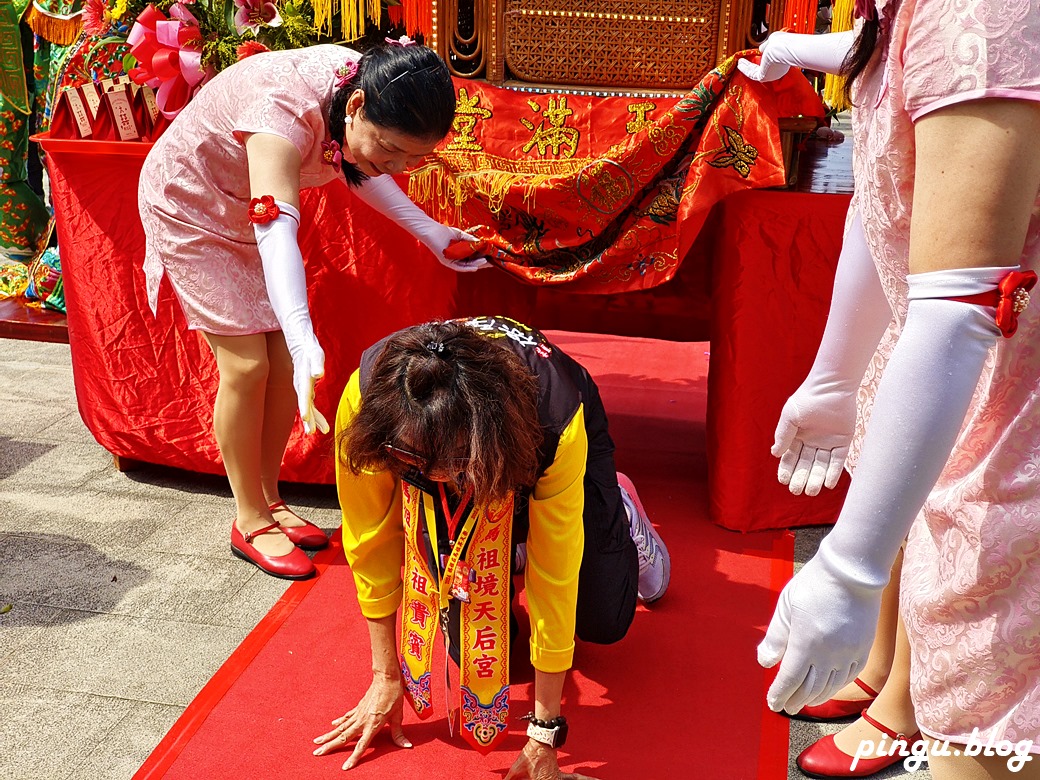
<point>346,73</point>
<point>169,56</point>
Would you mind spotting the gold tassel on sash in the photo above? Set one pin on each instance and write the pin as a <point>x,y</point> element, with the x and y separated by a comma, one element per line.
<point>60,29</point>
<point>834,86</point>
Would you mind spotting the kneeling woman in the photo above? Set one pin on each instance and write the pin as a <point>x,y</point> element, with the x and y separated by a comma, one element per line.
<point>467,452</point>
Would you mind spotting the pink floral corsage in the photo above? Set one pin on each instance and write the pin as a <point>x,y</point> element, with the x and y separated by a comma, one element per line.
<point>345,73</point>
<point>263,210</point>
<point>404,40</point>
<point>331,154</point>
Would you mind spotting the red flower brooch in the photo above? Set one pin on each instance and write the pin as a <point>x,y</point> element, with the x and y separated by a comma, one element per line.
<point>1014,298</point>
<point>331,154</point>
<point>1009,299</point>
<point>263,210</point>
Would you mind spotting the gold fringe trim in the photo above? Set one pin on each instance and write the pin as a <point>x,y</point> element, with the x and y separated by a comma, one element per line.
<point>59,30</point>
<point>445,192</point>
<point>352,18</point>
<point>834,86</point>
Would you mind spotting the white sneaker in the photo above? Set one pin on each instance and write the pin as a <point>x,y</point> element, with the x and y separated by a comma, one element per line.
<point>655,567</point>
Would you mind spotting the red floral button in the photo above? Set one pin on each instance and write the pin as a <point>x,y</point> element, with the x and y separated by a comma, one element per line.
<point>1014,298</point>
<point>263,210</point>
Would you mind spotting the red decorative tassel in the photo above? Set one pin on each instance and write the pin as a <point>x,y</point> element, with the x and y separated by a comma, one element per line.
<point>800,16</point>
<point>418,16</point>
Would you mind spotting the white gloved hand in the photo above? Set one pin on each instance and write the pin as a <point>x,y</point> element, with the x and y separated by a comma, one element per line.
<point>819,601</point>
<point>287,289</point>
<point>817,423</point>
<point>782,51</point>
<point>383,194</point>
<point>826,619</point>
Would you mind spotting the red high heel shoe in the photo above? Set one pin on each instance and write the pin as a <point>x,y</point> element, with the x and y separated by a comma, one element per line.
<point>307,536</point>
<point>294,566</point>
<point>823,759</point>
<point>836,709</point>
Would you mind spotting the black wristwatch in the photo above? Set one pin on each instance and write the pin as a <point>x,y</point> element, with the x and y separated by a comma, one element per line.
<point>549,732</point>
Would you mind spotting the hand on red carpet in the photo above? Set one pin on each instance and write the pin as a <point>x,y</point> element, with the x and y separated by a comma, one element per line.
<point>382,704</point>
<point>538,762</point>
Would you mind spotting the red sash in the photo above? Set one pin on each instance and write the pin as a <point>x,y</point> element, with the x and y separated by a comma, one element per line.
<point>476,573</point>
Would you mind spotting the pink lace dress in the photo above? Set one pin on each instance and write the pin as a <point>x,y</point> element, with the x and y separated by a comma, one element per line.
<point>194,189</point>
<point>970,591</point>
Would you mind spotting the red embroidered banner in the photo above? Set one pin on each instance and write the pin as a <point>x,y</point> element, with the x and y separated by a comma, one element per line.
<point>605,194</point>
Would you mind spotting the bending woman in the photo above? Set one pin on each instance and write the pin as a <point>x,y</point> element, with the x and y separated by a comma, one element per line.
<point>220,200</point>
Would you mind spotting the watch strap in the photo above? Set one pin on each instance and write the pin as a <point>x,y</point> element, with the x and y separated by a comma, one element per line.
<point>544,735</point>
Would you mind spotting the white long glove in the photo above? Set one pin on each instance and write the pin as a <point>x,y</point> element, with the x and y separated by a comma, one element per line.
<point>826,617</point>
<point>383,194</point>
<point>287,289</point>
<point>817,422</point>
<point>782,51</point>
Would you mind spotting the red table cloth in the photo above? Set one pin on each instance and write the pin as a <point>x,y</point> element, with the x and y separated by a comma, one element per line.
<point>774,267</point>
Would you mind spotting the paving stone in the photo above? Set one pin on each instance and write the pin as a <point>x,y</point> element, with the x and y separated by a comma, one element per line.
<point>252,602</point>
<point>33,466</point>
<point>128,744</point>
<point>71,574</point>
<point>44,732</point>
<point>68,428</point>
<point>158,661</point>
<point>103,519</point>
<point>20,624</point>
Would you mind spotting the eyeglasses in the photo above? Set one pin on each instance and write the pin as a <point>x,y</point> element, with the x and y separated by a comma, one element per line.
<point>422,463</point>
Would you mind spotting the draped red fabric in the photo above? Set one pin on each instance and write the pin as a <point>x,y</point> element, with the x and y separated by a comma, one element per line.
<point>606,194</point>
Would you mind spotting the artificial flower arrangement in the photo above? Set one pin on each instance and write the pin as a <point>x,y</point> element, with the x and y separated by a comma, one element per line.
<point>176,46</point>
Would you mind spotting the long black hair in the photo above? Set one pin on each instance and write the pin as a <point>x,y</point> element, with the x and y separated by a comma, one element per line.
<point>407,89</point>
<point>859,55</point>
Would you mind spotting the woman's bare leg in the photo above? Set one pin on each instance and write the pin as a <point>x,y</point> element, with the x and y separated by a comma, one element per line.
<point>280,408</point>
<point>242,363</point>
<point>892,707</point>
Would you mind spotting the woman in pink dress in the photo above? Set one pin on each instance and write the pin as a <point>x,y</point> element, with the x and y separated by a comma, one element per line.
<point>219,199</point>
<point>947,163</point>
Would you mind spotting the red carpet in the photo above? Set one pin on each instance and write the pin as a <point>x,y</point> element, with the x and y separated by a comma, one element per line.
<point>681,696</point>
